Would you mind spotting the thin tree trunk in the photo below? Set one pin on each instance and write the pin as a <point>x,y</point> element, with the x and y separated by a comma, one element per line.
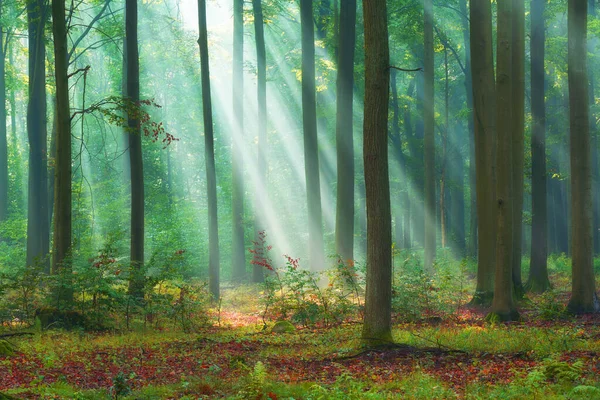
<point>209,149</point>
<point>344,229</point>
<point>136,166</point>
<point>238,260</point>
<point>594,135</point>
<point>429,141</point>
<point>311,148</point>
<point>261,190</point>
<point>518,144</point>
<point>443,217</point>
<point>583,292</point>
<point>3,132</point>
<point>377,327</point>
<point>472,245</point>
<point>62,192</point>
<point>538,270</point>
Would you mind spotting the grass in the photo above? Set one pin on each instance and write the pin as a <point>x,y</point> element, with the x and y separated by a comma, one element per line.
<point>547,355</point>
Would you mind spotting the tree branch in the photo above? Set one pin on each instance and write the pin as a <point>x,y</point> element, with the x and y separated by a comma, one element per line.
<point>405,69</point>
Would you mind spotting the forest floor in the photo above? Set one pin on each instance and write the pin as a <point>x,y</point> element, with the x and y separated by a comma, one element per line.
<point>459,356</point>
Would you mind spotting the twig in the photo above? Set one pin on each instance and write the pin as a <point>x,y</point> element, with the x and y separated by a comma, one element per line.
<point>405,69</point>
<point>5,335</point>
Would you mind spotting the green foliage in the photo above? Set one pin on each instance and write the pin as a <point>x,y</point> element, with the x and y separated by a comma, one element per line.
<point>120,386</point>
<point>562,372</point>
<point>255,385</point>
<point>417,295</point>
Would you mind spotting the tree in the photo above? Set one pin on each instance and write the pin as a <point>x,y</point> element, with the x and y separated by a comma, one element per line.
<point>464,17</point>
<point>429,140</point>
<point>484,116</point>
<point>3,134</point>
<point>377,327</point>
<point>136,163</point>
<point>311,148</point>
<point>209,150</point>
<point>261,67</point>
<point>518,144</point>
<point>238,254</point>
<point>344,229</point>
<point>38,229</point>
<point>63,209</point>
<point>538,270</point>
<point>583,292</point>
<point>503,304</point>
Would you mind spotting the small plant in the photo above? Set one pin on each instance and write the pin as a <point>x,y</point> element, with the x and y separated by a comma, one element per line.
<point>562,372</point>
<point>255,383</point>
<point>120,386</point>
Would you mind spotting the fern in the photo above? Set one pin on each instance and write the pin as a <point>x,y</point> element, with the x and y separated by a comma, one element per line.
<point>562,371</point>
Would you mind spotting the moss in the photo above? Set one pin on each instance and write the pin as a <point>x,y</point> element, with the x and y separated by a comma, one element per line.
<point>283,327</point>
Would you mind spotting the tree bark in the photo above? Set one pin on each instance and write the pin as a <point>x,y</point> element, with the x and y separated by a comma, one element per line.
<point>209,149</point>
<point>503,305</point>
<point>136,282</point>
<point>429,141</point>
<point>311,148</point>
<point>238,253</point>
<point>484,116</point>
<point>538,270</point>
<point>518,144</point>
<point>3,131</point>
<point>62,191</point>
<point>261,196</point>
<point>583,292</point>
<point>472,244</point>
<point>378,297</point>
<point>344,229</point>
<point>38,229</point>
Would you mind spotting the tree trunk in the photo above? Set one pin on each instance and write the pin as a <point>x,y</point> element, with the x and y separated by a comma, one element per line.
<point>429,140</point>
<point>503,306</point>
<point>238,253</point>
<point>484,116</point>
<point>396,142</point>
<point>311,148</point>
<point>594,135</point>
<point>344,221</point>
<point>583,292</point>
<point>518,144</point>
<point>136,282</point>
<point>62,190</point>
<point>209,149</point>
<point>538,271</point>
<point>38,229</point>
<point>377,327</point>
<point>472,245</point>
<point>261,196</point>
<point>3,133</point>
<point>444,156</point>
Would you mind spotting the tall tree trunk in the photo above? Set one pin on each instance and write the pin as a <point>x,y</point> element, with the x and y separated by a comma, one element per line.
<point>503,306</point>
<point>396,142</point>
<point>518,144</point>
<point>538,270</point>
<point>62,191</point>
<point>136,166</point>
<point>472,245</point>
<point>444,155</point>
<point>38,229</point>
<point>344,221</point>
<point>583,292</point>
<point>209,149</point>
<point>238,254</point>
<point>261,66</point>
<point>484,116</point>
<point>429,141</point>
<point>377,327</point>
<point>594,136</point>
<point>3,133</point>
<point>311,148</point>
